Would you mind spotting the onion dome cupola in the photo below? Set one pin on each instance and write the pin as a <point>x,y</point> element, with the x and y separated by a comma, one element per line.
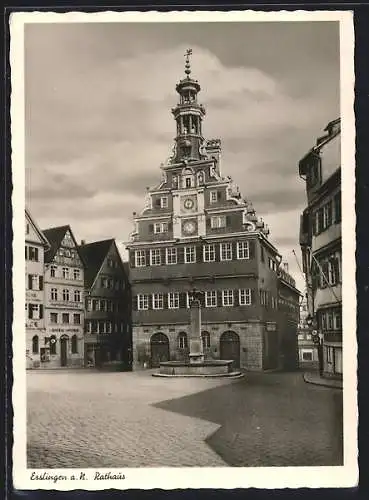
<point>188,115</point>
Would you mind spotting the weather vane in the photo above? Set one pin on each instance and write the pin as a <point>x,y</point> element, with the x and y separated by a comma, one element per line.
<point>187,65</point>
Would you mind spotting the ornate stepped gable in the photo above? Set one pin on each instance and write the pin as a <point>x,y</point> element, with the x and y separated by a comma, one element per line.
<point>192,188</point>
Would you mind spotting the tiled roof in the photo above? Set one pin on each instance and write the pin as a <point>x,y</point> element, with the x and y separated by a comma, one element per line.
<point>93,255</point>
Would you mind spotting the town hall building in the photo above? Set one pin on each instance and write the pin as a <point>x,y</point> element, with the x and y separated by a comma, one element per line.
<point>197,231</point>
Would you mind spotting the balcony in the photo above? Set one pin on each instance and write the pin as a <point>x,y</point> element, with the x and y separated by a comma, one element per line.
<point>323,239</point>
<point>330,295</point>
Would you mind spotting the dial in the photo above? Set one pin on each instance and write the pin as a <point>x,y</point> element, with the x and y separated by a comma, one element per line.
<point>189,227</point>
<point>188,203</point>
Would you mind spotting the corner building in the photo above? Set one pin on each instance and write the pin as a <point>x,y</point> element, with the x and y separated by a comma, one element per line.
<point>196,231</point>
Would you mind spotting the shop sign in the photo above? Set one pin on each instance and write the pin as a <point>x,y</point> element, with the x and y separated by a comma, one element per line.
<point>65,330</point>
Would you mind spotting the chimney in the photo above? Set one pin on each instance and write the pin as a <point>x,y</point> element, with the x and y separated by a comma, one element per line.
<point>83,242</point>
<point>285,266</point>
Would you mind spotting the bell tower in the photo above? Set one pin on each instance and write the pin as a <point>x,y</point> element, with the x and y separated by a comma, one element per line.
<point>188,115</point>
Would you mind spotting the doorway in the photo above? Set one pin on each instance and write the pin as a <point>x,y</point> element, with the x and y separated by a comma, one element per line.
<point>64,351</point>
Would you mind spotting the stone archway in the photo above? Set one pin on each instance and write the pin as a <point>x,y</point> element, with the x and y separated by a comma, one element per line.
<point>230,347</point>
<point>159,344</point>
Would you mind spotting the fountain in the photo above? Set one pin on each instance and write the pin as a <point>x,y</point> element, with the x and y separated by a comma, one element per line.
<point>197,366</point>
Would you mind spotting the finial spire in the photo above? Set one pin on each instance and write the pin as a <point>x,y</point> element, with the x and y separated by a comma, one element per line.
<point>187,64</point>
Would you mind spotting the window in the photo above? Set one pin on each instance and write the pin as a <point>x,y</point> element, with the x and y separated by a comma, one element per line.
<point>213,196</point>
<point>205,337</point>
<point>160,227</point>
<point>35,311</point>
<point>188,182</point>
<point>211,298</point>
<point>243,250</point>
<point>77,296</point>
<point>102,305</point>
<point>171,255</point>
<point>182,340</point>
<point>244,296</point>
<point>164,202</point>
<point>54,294</point>
<point>173,300</point>
<point>142,302</point>
<point>76,274</point>
<point>190,255</point>
<point>226,251</point>
<point>155,257</point>
<point>209,253</point>
<point>227,297</point>
<point>108,327</point>
<point>330,320</point>
<point>65,295</point>
<point>272,264</point>
<point>158,301</point>
<point>337,208</point>
<point>33,254</point>
<point>101,326</point>
<point>327,215</point>
<point>53,271</point>
<point>53,317</point>
<point>88,327</point>
<point>337,320</point>
<point>65,273</point>
<point>52,343</point>
<point>110,263</point>
<point>35,344</point>
<point>329,351</point>
<point>140,257</point>
<point>65,318</point>
<point>104,282</point>
<point>77,319</point>
<point>218,221</point>
<point>74,344</point>
<point>175,181</point>
<point>307,356</point>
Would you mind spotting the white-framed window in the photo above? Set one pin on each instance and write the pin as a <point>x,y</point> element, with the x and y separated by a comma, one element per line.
<point>205,337</point>
<point>218,221</point>
<point>88,327</point>
<point>34,282</point>
<point>190,254</point>
<point>53,271</point>
<point>35,311</point>
<point>157,301</point>
<point>173,300</point>
<point>164,202</point>
<point>142,302</point>
<point>209,253</point>
<point>211,298</point>
<point>244,296</point>
<point>65,295</point>
<point>226,251</point>
<point>53,317</point>
<point>171,255</point>
<point>182,340</point>
<point>160,227</point>
<point>89,305</point>
<point>188,181</point>
<point>109,327</point>
<point>243,251</point>
<point>213,196</point>
<point>227,298</point>
<point>155,257</point>
<point>272,264</point>
<point>65,273</point>
<point>140,258</point>
<point>77,296</point>
<point>76,274</point>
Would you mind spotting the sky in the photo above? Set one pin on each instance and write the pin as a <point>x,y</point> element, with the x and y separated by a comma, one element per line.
<point>98,120</point>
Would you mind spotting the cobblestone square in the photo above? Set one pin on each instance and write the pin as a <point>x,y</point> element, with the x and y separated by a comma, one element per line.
<point>85,419</point>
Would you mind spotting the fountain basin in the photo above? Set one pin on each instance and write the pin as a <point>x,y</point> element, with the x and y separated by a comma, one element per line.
<point>209,368</point>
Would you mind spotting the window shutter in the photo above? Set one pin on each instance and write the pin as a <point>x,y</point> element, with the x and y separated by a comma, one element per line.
<point>253,296</point>
<point>208,222</point>
<point>132,261</point>
<point>219,298</point>
<point>30,310</point>
<point>252,249</point>
<point>182,300</point>
<point>199,253</point>
<point>217,252</point>
<point>236,298</point>
<point>148,263</point>
<point>228,220</point>
<point>150,301</point>
<point>151,228</point>
<point>170,226</point>
<point>41,282</point>
<point>165,300</point>
<point>180,253</point>
<point>135,303</point>
<point>41,311</point>
<point>219,195</point>
<point>30,282</point>
<point>162,256</point>
<point>234,250</point>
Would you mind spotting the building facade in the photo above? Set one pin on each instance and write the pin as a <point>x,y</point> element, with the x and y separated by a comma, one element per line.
<point>196,231</point>
<point>308,353</point>
<point>320,240</point>
<point>35,246</point>
<point>63,343</point>
<point>108,335</point>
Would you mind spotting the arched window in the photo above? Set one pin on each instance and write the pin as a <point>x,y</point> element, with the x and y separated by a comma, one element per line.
<point>77,296</point>
<point>53,344</point>
<point>65,294</point>
<point>200,178</point>
<point>205,337</point>
<point>74,344</point>
<point>182,340</point>
<point>35,344</point>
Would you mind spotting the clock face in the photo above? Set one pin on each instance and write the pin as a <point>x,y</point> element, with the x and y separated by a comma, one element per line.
<point>189,227</point>
<point>188,203</point>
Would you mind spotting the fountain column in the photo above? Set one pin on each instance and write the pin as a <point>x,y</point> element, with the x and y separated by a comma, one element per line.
<point>196,349</point>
